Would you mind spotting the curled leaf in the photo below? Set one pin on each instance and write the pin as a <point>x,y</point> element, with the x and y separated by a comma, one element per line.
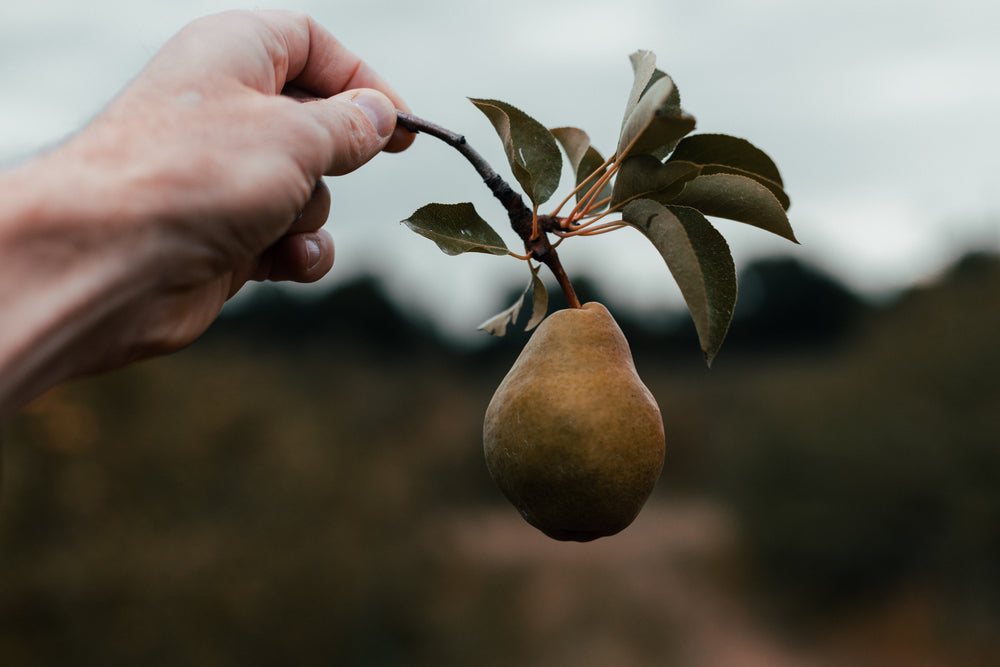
<point>534,297</point>
<point>456,228</point>
<point>737,198</point>
<point>657,122</point>
<point>699,260</point>
<point>530,148</point>
<point>586,162</point>
<point>645,74</point>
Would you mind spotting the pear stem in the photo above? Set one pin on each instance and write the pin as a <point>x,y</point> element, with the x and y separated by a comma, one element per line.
<point>522,219</point>
<point>552,261</point>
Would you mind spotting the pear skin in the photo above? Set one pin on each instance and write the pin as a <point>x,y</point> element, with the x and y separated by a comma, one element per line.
<point>572,436</point>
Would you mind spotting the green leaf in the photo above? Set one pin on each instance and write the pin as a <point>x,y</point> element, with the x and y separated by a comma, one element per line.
<point>723,149</point>
<point>736,198</point>
<point>586,162</point>
<point>645,176</point>
<point>534,297</point>
<point>700,261</point>
<point>531,149</point>
<point>723,154</point>
<point>456,228</point>
<point>656,123</point>
<point>776,189</point>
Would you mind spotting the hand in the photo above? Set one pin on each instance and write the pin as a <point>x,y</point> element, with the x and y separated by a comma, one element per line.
<point>199,177</point>
<point>231,169</point>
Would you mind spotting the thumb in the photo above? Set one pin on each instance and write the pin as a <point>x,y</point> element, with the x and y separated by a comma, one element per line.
<point>360,122</point>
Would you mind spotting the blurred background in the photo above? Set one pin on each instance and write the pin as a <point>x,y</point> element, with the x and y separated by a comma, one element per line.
<point>305,484</point>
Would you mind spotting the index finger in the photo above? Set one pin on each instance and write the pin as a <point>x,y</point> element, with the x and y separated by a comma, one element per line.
<point>317,62</point>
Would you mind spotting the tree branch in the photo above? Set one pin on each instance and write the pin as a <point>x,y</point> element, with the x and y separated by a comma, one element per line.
<point>521,217</point>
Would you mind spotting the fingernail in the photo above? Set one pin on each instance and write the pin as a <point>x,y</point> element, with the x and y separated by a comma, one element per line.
<point>313,253</point>
<point>379,111</point>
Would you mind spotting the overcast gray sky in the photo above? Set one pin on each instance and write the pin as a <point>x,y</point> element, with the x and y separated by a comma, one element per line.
<point>881,114</point>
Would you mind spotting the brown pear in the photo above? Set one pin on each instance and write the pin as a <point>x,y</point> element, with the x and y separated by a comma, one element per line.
<point>572,436</point>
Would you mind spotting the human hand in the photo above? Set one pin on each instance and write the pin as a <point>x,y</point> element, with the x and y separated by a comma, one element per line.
<point>228,167</point>
<point>199,177</point>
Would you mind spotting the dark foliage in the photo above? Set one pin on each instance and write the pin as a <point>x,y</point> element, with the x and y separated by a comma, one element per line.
<point>305,485</point>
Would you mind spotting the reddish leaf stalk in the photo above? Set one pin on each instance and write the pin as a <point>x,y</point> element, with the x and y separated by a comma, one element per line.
<point>521,217</point>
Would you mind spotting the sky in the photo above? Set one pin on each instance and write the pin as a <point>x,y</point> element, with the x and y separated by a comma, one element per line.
<point>882,115</point>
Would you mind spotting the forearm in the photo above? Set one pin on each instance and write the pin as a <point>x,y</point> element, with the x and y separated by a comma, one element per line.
<point>60,277</point>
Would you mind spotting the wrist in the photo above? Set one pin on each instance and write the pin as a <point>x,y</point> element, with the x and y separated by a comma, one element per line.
<point>62,273</point>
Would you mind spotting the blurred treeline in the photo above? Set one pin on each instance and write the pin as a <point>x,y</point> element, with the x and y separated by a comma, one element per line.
<point>305,486</point>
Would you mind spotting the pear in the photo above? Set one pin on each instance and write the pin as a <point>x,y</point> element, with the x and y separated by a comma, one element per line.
<point>572,436</point>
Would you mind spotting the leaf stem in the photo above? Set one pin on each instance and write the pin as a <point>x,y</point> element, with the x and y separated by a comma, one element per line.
<point>584,183</point>
<point>593,230</point>
<point>523,220</point>
<point>586,202</point>
<point>551,260</point>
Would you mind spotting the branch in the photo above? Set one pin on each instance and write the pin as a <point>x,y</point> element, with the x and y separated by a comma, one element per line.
<point>521,217</point>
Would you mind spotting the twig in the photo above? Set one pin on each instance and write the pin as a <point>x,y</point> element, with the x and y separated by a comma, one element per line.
<point>521,217</point>
<point>519,214</point>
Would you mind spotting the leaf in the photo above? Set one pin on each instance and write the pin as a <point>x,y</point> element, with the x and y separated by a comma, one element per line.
<point>574,141</point>
<point>534,296</point>
<point>776,189</point>
<point>456,228</point>
<point>723,154</point>
<point>723,149</point>
<point>586,162</point>
<point>736,198</point>
<point>531,149</point>
<point>645,176</point>
<point>656,123</point>
<point>643,69</point>
<point>699,260</point>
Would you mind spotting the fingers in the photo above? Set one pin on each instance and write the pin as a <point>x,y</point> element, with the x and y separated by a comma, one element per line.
<point>384,118</point>
<point>358,123</point>
<point>302,258</point>
<point>305,254</point>
<point>318,63</point>
<point>316,211</point>
<point>401,140</point>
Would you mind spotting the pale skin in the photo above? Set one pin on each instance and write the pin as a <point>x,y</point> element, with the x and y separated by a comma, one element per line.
<point>125,241</point>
